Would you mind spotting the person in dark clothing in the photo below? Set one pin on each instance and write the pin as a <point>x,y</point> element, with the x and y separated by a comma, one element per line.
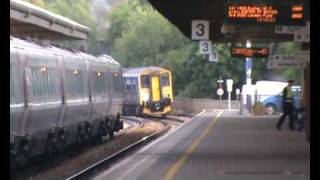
<point>301,113</point>
<point>287,104</point>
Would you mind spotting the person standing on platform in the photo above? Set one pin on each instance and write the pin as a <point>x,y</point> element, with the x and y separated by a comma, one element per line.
<point>287,104</point>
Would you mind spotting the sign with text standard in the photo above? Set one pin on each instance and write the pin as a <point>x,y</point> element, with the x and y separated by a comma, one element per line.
<point>200,30</point>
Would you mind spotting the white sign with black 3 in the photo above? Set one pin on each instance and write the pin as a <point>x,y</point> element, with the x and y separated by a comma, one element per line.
<point>205,47</point>
<point>214,56</point>
<point>200,30</point>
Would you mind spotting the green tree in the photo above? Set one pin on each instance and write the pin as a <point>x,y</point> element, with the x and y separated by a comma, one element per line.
<point>140,36</point>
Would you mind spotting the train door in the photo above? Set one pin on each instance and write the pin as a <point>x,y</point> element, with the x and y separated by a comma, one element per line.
<point>135,95</point>
<point>155,84</point>
<point>16,94</point>
<point>75,90</point>
<point>44,102</point>
<point>166,85</point>
<point>131,90</point>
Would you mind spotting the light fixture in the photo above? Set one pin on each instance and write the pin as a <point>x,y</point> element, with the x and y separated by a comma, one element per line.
<point>248,44</point>
<point>76,72</point>
<point>43,69</point>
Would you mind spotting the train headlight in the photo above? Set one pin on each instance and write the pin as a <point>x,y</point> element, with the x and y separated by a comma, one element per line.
<point>146,97</point>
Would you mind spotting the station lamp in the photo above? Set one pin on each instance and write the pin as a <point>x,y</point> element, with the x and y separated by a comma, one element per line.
<point>248,44</point>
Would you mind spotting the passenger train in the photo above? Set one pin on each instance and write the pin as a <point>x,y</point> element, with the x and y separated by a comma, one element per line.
<point>148,91</point>
<point>59,97</point>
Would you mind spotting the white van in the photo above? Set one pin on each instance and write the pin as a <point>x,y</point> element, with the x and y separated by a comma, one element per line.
<point>265,89</point>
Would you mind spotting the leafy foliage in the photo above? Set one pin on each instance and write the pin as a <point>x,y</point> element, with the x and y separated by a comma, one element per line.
<point>140,36</point>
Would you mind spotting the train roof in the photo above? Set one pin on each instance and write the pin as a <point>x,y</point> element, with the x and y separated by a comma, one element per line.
<point>50,48</point>
<point>141,70</point>
<point>107,58</point>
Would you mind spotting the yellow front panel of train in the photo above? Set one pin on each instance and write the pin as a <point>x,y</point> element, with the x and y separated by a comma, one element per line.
<point>155,88</point>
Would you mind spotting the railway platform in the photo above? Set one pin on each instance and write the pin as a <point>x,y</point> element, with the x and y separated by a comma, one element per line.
<point>220,145</point>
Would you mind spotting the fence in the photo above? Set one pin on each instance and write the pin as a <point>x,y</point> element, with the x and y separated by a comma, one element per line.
<point>193,106</point>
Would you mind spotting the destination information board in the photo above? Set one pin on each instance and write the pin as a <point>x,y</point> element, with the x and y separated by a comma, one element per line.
<point>275,13</point>
<point>242,52</point>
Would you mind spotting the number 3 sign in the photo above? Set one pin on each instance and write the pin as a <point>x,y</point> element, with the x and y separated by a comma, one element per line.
<point>200,30</point>
<point>205,47</point>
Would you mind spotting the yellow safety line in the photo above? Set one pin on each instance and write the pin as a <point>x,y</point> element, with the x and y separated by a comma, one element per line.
<point>176,167</point>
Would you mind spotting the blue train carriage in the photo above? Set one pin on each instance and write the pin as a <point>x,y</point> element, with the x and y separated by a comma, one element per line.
<point>59,97</point>
<point>148,91</point>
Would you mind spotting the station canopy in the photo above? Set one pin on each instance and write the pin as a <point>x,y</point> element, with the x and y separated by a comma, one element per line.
<point>28,20</point>
<point>237,20</point>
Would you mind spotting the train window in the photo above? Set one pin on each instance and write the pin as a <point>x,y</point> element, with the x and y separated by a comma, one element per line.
<point>16,91</point>
<point>44,82</point>
<point>127,82</point>
<point>99,84</point>
<point>145,81</point>
<point>128,87</point>
<point>117,84</point>
<point>165,81</point>
<point>12,81</point>
<point>74,83</point>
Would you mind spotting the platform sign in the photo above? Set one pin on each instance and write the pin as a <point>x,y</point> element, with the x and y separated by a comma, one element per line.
<point>200,30</point>
<point>298,56</point>
<point>287,29</point>
<point>290,13</point>
<point>229,85</point>
<point>303,34</point>
<point>229,89</point>
<point>220,91</point>
<point>280,64</point>
<point>214,56</point>
<point>237,91</point>
<point>303,56</point>
<point>283,57</point>
<point>205,47</point>
<point>242,52</point>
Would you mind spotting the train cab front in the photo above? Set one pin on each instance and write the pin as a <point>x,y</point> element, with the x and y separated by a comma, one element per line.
<point>158,107</point>
<point>157,100</point>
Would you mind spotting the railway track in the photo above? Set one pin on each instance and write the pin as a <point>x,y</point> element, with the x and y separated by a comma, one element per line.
<point>139,131</point>
<point>133,121</point>
<point>94,168</point>
<point>90,171</point>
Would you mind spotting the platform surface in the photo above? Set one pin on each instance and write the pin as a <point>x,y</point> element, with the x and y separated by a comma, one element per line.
<point>220,145</point>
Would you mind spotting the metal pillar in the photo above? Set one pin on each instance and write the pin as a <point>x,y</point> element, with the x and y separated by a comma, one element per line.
<point>229,100</point>
<point>241,104</point>
<point>248,70</point>
<point>307,100</point>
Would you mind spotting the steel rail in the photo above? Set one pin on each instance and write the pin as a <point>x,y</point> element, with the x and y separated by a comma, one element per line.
<point>94,168</point>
